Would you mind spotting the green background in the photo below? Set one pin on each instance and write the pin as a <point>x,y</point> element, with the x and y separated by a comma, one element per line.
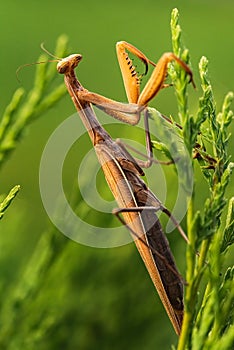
<point>94,298</point>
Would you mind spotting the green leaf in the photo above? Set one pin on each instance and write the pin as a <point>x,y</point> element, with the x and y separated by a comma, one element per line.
<point>160,146</point>
<point>7,201</point>
<point>228,237</point>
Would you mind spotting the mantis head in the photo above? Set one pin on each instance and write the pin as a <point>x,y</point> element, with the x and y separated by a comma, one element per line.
<point>68,63</point>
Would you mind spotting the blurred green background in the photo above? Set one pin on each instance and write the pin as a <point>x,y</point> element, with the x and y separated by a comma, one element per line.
<point>93,298</point>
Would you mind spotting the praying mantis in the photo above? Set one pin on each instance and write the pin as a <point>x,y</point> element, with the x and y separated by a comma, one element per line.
<point>137,204</point>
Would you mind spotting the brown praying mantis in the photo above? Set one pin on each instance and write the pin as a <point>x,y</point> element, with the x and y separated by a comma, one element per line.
<point>137,204</point>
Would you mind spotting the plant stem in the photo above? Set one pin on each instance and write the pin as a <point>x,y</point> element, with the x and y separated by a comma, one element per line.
<point>189,277</point>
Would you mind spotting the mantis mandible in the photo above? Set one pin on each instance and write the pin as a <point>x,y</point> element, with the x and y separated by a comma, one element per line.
<point>137,203</point>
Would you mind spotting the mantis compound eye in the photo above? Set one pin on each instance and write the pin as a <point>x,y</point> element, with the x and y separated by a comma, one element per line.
<point>62,67</point>
<point>75,59</point>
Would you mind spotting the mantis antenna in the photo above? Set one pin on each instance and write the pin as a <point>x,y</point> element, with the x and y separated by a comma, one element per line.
<point>56,59</point>
<point>49,53</point>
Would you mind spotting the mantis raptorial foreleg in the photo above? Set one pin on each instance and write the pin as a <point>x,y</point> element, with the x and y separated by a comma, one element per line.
<point>138,101</point>
<point>156,81</point>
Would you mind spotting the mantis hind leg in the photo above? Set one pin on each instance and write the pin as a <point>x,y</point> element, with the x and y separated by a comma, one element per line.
<point>117,212</point>
<point>154,209</point>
